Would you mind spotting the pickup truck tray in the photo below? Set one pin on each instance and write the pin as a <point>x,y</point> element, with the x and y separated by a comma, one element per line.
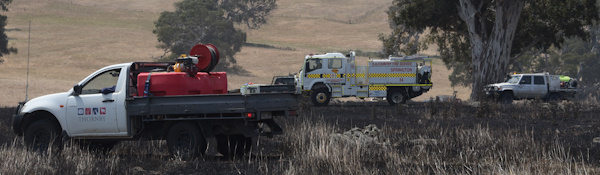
<point>212,105</point>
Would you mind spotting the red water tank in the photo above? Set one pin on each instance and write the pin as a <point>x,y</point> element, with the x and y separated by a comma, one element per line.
<point>179,83</point>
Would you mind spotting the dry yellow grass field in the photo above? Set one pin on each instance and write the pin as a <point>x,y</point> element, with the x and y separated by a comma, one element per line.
<point>71,39</point>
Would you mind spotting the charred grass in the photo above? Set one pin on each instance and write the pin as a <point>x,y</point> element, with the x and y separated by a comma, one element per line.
<point>530,137</point>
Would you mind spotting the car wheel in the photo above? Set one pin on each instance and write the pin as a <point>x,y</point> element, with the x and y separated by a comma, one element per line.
<point>185,141</point>
<point>506,98</point>
<point>43,135</point>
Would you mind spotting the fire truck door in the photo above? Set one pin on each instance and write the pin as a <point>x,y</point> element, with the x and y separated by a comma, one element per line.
<point>335,72</point>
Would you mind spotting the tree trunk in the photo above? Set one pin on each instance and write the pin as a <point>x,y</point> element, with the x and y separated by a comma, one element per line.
<point>490,49</point>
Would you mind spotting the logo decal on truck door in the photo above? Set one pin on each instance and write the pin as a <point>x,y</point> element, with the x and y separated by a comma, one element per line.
<point>92,114</point>
<point>91,111</point>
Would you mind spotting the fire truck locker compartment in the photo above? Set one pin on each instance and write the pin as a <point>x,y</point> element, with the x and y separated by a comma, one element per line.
<point>179,83</point>
<point>392,72</point>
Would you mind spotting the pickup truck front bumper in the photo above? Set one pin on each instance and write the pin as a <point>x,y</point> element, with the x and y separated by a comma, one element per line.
<point>17,120</point>
<point>491,91</point>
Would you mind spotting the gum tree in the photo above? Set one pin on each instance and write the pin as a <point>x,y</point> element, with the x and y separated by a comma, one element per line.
<point>480,39</point>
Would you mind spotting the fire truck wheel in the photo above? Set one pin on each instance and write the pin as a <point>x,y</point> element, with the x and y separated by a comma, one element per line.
<point>185,141</point>
<point>42,135</point>
<point>320,97</point>
<point>396,96</point>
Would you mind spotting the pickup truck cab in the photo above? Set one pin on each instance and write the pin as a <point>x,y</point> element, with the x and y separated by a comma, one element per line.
<point>533,86</point>
<point>105,107</point>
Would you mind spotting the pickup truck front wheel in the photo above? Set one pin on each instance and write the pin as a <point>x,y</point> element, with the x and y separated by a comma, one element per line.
<point>320,97</point>
<point>506,98</point>
<point>185,141</point>
<point>43,135</point>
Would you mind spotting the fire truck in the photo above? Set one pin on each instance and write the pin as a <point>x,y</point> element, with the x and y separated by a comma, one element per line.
<point>334,75</point>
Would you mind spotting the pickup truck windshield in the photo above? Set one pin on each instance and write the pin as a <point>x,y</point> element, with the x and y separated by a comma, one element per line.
<point>513,79</point>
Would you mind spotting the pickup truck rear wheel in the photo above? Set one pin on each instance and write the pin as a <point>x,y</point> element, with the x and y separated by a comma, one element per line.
<point>185,141</point>
<point>320,97</point>
<point>43,135</point>
<point>553,97</point>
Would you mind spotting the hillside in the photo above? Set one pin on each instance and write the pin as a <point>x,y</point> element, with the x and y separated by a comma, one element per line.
<point>70,39</point>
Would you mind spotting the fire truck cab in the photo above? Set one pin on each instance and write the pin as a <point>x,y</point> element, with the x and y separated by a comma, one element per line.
<point>334,75</point>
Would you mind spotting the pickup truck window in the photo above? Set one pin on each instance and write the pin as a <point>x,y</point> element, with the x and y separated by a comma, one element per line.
<point>513,79</point>
<point>288,81</point>
<point>525,80</point>
<point>103,80</point>
<point>538,80</point>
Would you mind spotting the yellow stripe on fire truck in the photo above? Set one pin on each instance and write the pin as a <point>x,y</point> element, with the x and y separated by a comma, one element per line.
<point>313,75</point>
<point>356,75</point>
<point>324,75</point>
<point>377,88</point>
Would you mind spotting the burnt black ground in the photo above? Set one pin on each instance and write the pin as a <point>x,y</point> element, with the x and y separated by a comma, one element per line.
<point>574,125</point>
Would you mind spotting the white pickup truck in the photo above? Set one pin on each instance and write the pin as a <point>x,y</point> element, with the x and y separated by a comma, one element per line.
<point>191,124</point>
<point>531,86</point>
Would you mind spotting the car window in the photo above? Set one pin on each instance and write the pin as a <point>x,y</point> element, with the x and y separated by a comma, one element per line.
<point>103,81</point>
<point>525,80</point>
<point>538,80</point>
<point>513,79</point>
<point>284,81</point>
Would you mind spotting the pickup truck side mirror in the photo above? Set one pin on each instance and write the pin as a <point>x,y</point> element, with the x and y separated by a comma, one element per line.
<point>77,90</point>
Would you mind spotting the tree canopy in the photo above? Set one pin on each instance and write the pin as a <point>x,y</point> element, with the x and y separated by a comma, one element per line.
<point>479,40</point>
<point>253,13</point>
<point>4,49</point>
<point>210,21</point>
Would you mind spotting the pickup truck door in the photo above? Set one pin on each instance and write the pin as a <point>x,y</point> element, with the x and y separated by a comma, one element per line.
<point>95,111</point>
<point>539,89</point>
<point>524,88</point>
